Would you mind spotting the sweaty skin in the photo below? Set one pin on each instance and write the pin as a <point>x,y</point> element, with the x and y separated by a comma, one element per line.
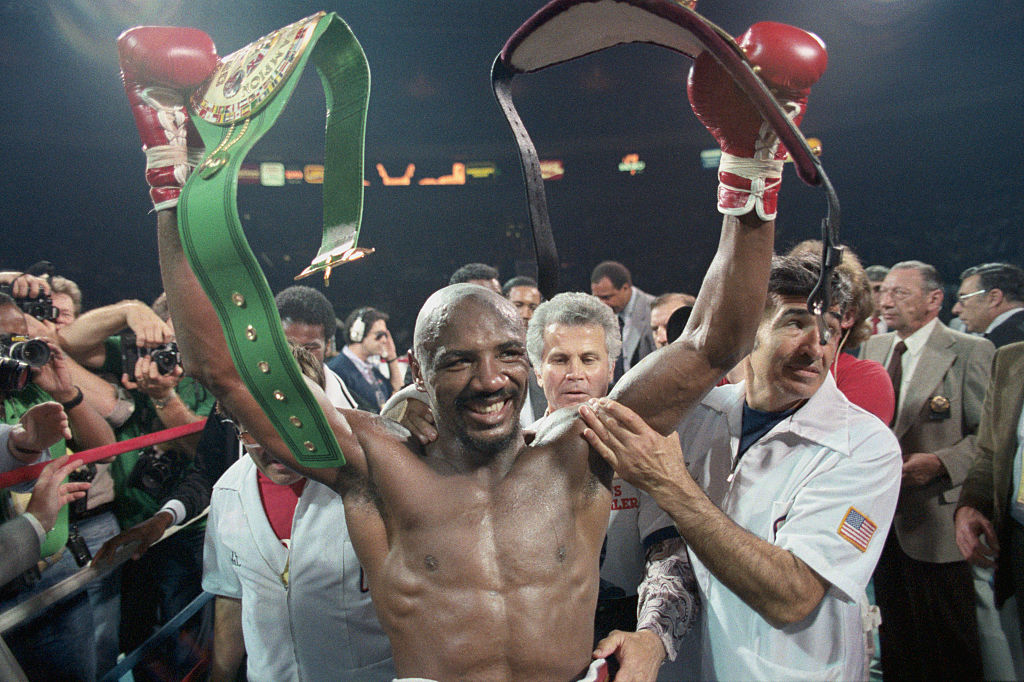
<point>482,553</point>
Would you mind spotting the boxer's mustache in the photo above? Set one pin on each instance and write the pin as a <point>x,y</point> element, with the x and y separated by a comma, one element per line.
<point>492,396</point>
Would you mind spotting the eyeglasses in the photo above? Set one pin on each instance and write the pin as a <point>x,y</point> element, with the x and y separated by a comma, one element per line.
<point>963,297</point>
<point>898,293</point>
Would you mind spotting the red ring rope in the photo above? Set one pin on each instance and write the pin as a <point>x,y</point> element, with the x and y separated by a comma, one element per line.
<point>31,472</point>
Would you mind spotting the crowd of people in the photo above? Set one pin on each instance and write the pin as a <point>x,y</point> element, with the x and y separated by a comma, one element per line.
<point>605,484</point>
<point>665,596</point>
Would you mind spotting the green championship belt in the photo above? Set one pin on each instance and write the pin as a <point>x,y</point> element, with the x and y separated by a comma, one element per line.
<point>236,106</point>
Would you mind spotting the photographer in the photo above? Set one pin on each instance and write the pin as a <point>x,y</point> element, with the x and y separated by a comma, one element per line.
<point>50,305</point>
<point>93,516</point>
<point>61,638</point>
<point>162,582</point>
<point>51,380</point>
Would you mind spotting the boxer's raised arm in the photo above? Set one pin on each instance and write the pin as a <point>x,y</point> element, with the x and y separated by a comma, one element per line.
<point>159,66</point>
<point>664,386</point>
<point>206,357</point>
<point>725,317</point>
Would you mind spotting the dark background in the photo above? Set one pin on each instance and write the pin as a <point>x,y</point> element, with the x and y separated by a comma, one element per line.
<point>920,114</point>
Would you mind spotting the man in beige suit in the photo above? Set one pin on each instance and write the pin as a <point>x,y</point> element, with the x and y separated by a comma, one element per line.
<point>990,511</point>
<point>922,584</point>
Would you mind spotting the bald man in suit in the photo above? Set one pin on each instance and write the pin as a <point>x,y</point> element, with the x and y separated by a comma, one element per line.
<point>922,584</point>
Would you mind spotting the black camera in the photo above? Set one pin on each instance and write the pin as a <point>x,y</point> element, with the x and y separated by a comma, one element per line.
<point>157,472</point>
<point>18,356</point>
<point>76,545</point>
<point>83,474</point>
<point>41,307</point>
<point>166,356</point>
<point>33,352</point>
<point>14,374</point>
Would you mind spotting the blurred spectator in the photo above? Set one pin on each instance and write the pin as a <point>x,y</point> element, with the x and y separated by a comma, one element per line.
<point>67,298</point>
<point>990,514</point>
<point>661,310</point>
<point>368,340</point>
<point>525,296</point>
<point>308,321</point>
<point>21,539</point>
<point>477,273</point>
<point>991,302</point>
<point>61,641</point>
<point>612,283</point>
<point>168,577</point>
<point>876,275</point>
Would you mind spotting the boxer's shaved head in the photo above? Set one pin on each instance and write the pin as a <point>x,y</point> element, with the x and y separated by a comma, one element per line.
<point>446,306</point>
<point>470,358</point>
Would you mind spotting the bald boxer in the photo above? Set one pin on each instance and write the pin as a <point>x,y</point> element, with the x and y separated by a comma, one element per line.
<point>481,552</point>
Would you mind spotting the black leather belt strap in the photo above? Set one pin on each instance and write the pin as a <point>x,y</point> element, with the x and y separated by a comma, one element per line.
<point>564,30</point>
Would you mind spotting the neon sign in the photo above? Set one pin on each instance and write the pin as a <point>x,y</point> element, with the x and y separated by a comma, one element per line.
<point>632,164</point>
<point>552,169</point>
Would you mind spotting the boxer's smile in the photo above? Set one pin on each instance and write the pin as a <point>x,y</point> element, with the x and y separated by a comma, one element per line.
<point>489,410</point>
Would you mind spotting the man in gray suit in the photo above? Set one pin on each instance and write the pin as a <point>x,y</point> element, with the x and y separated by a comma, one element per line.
<point>922,584</point>
<point>611,282</point>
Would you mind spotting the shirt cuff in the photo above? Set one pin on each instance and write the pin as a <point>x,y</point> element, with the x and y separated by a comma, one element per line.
<point>38,527</point>
<point>176,509</point>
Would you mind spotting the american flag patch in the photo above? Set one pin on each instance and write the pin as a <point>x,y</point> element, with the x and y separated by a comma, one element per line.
<point>857,529</point>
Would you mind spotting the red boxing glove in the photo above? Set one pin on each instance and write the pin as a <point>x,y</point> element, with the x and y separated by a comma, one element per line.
<point>789,60</point>
<point>159,66</point>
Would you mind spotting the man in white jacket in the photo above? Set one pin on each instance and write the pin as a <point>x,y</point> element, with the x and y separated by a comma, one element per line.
<point>290,590</point>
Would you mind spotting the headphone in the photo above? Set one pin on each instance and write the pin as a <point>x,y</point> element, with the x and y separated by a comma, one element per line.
<point>357,330</point>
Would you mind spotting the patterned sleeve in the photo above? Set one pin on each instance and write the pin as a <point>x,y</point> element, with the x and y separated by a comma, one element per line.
<point>668,601</point>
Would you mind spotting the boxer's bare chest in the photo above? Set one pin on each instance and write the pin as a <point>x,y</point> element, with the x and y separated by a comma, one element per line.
<point>495,530</point>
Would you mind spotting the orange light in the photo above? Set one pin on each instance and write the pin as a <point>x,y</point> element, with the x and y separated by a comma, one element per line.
<point>458,177</point>
<point>399,180</point>
<point>632,163</point>
<point>552,169</point>
<point>313,173</point>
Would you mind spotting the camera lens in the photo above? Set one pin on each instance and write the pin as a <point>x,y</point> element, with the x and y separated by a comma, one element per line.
<point>166,357</point>
<point>33,352</point>
<point>14,374</point>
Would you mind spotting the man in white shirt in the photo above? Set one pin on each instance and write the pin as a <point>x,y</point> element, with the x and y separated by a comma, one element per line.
<point>789,494</point>
<point>290,590</point>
